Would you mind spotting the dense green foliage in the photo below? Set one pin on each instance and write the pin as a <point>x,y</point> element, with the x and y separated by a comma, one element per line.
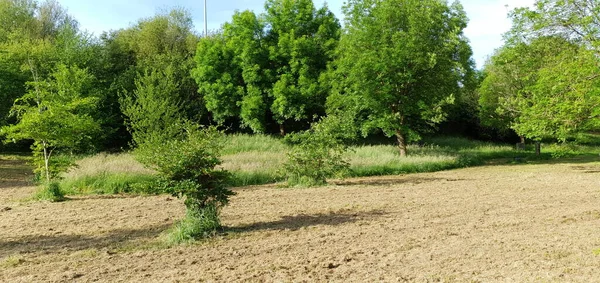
<point>319,153</point>
<point>544,82</point>
<point>400,62</point>
<point>266,70</point>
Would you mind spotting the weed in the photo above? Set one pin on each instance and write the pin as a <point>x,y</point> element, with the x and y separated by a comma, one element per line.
<point>198,223</point>
<point>12,261</point>
<point>50,192</point>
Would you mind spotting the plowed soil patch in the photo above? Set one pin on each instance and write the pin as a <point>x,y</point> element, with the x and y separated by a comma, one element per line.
<point>529,223</point>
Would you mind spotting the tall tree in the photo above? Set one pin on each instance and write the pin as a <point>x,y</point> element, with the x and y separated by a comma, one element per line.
<point>560,55</point>
<point>400,62</point>
<point>266,69</point>
<point>165,41</point>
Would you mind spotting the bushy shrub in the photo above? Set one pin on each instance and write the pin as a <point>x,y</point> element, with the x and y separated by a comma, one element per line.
<point>186,168</point>
<point>319,153</point>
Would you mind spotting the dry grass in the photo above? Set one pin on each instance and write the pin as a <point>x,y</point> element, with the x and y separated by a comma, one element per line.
<point>104,163</point>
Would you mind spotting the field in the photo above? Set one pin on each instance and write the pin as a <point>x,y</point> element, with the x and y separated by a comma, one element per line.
<point>515,223</point>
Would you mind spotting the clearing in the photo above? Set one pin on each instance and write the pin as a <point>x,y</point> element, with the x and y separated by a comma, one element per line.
<point>494,223</point>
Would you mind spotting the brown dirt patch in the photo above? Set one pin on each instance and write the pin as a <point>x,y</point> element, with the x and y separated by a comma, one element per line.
<point>530,223</point>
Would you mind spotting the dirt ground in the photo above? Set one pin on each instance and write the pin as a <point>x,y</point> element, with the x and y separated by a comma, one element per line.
<point>525,223</point>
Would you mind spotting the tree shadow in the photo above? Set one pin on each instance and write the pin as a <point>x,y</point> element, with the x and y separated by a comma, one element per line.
<point>304,220</point>
<point>389,180</point>
<point>56,243</point>
<point>14,173</point>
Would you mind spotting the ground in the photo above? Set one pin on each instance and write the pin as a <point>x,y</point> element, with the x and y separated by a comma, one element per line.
<point>512,223</point>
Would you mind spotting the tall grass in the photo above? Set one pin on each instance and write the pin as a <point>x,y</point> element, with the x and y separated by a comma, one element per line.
<point>258,159</point>
<point>109,174</point>
<point>254,160</point>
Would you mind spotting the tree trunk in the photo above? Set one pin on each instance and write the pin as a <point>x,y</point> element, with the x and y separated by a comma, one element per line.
<point>281,130</point>
<point>522,139</point>
<point>538,148</point>
<point>46,159</point>
<point>401,143</point>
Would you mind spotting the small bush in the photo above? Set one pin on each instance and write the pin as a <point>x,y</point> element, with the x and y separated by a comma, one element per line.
<point>50,192</point>
<point>319,153</point>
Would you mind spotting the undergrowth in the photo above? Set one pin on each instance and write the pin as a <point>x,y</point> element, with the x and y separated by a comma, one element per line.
<point>257,160</point>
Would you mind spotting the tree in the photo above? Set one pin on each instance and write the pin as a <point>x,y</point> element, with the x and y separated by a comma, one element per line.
<point>577,20</point>
<point>557,54</point>
<point>56,114</point>
<point>302,41</point>
<point>511,85</point>
<point>267,69</point>
<point>565,98</point>
<point>400,62</point>
<point>184,154</point>
<point>165,41</point>
<point>153,109</point>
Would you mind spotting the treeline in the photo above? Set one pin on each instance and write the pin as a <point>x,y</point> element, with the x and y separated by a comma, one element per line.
<point>397,67</point>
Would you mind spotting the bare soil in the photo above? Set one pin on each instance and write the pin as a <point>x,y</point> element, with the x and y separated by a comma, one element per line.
<point>525,223</point>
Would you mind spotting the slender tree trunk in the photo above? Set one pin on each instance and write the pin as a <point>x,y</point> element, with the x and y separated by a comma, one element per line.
<point>46,161</point>
<point>401,143</point>
<point>282,130</point>
<point>538,148</point>
<point>522,139</point>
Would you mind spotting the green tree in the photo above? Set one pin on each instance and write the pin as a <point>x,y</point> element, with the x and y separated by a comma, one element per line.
<point>565,98</point>
<point>56,114</point>
<point>400,62</point>
<point>577,20</point>
<point>560,55</point>
<point>267,69</point>
<point>184,154</point>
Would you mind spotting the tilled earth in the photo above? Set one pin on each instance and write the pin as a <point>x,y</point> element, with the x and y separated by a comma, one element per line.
<point>525,223</point>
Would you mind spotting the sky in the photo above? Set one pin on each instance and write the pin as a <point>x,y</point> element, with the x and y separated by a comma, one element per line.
<point>487,18</point>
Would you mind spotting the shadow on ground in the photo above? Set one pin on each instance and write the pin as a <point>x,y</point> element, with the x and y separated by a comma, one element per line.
<point>303,220</point>
<point>14,173</point>
<point>57,243</point>
<point>388,180</point>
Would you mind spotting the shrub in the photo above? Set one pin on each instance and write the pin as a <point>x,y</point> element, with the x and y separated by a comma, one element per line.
<point>318,153</point>
<point>186,168</point>
<point>50,192</point>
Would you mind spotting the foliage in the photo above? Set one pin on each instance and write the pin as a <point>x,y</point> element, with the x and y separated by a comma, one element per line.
<point>50,192</point>
<point>153,108</point>
<point>319,153</point>
<point>267,69</point>
<point>199,223</point>
<point>576,20</point>
<point>56,114</point>
<point>399,63</point>
<point>186,165</point>
<point>565,99</point>
<point>545,77</point>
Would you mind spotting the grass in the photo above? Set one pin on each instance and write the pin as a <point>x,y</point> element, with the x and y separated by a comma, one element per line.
<point>254,160</point>
<point>198,224</point>
<point>258,159</point>
<point>12,261</point>
<point>50,192</point>
<point>109,174</point>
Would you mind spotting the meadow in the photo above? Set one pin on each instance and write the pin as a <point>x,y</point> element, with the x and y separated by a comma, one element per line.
<point>258,160</point>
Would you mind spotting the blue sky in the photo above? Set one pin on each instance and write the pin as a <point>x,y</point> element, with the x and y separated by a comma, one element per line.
<point>487,17</point>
